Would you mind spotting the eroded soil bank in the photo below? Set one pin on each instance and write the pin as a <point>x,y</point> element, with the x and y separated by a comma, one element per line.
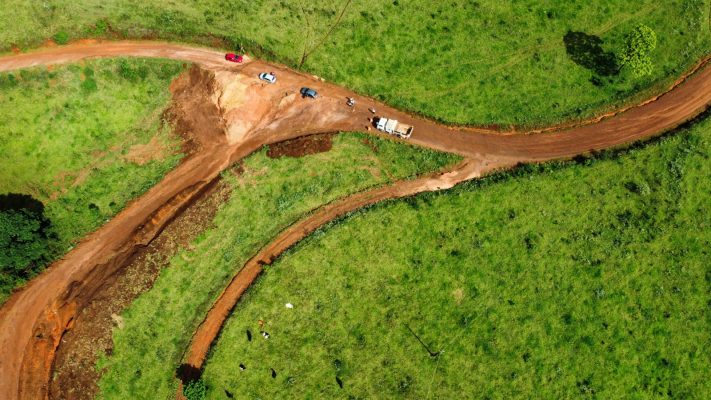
<point>74,372</point>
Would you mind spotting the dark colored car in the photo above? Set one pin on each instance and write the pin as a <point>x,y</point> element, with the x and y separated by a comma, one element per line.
<point>234,57</point>
<point>308,92</point>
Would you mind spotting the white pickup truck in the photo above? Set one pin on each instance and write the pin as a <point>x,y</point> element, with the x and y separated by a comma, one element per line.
<point>393,127</point>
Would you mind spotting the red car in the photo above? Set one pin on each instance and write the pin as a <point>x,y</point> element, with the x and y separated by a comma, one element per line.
<point>234,57</point>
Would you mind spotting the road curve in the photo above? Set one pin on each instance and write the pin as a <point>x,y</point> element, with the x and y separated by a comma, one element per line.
<point>33,319</point>
<point>210,327</point>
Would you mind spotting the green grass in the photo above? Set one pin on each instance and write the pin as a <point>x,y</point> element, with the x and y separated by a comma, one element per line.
<point>562,281</point>
<point>483,62</point>
<point>270,195</point>
<point>66,136</point>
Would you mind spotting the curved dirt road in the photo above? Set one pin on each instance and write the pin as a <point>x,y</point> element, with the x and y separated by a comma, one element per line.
<point>211,326</point>
<point>33,319</point>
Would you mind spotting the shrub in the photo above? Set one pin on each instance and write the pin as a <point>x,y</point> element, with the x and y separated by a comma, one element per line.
<point>61,37</point>
<point>101,27</point>
<point>195,390</point>
<point>89,85</point>
<point>636,54</point>
<point>133,70</point>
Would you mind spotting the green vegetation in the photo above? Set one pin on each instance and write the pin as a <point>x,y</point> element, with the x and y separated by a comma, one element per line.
<point>267,196</point>
<point>69,137</point>
<point>23,239</point>
<point>482,62</point>
<point>577,280</point>
<point>638,46</point>
<point>195,390</point>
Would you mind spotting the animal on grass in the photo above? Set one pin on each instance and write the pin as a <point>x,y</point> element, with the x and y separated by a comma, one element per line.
<point>242,367</point>
<point>274,374</point>
<point>249,335</point>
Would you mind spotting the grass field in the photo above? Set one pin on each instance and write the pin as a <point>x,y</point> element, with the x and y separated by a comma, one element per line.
<point>71,136</point>
<point>529,62</point>
<point>267,196</point>
<point>586,280</point>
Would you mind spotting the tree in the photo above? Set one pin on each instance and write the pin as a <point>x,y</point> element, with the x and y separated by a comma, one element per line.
<point>22,244</point>
<point>636,52</point>
<point>23,238</point>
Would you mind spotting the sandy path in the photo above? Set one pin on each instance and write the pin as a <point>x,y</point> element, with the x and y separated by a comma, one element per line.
<point>33,319</point>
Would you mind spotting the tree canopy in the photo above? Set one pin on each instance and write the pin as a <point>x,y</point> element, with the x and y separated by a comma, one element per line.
<point>639,44</point>
<point>24,243</point>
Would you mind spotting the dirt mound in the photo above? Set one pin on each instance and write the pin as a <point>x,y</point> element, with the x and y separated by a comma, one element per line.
<point>303,146</point>
<point>194,114</point>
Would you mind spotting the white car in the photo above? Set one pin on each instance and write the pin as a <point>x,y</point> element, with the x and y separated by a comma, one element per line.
<point>267,76</point>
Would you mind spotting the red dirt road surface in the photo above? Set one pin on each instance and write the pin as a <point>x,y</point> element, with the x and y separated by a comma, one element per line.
<point>209,329</point>
<point>229,113</point>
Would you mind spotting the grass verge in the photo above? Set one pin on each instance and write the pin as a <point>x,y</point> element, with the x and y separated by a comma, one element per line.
<point>570,280</point>
<point>267,196</point>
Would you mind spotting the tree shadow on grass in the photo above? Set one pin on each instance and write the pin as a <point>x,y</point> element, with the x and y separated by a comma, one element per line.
<point>586,51</point>
<point>17,202</point>
<point>188,373</point>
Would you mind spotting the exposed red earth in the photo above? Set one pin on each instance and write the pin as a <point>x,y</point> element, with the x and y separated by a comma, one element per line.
<point>228,113</point>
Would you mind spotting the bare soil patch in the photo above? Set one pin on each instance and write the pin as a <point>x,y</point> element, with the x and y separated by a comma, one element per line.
<point>75,376</point>
<point>302,146</point>
<point>144,153</point>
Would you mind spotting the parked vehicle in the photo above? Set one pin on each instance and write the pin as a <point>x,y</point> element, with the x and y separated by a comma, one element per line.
<point>393,127</point>
<point>236,58</point>
<point>308,92</point>
<point>268,77</point>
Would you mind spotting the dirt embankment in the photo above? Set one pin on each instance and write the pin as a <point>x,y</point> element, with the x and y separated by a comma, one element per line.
<point>74,374</point>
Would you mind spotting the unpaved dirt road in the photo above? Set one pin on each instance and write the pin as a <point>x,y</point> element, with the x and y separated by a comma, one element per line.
<point>209,329</point>
<point>231,114</point>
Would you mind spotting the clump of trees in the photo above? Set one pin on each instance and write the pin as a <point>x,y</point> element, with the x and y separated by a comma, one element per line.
<point>195,390</point>
<point>24,240</point>
<point>637,49</point>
